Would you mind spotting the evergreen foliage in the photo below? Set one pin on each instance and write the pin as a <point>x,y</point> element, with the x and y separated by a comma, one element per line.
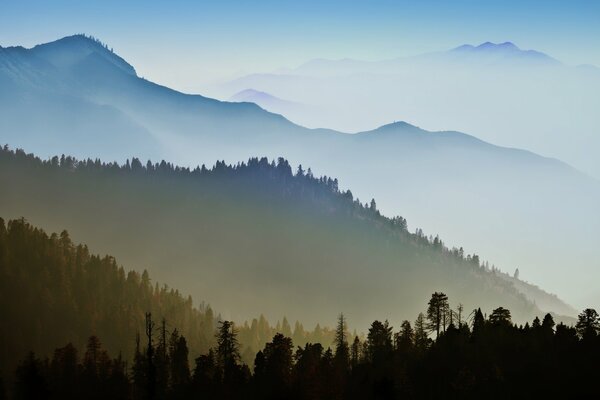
<point>196,227</point>
<point>490,358</point>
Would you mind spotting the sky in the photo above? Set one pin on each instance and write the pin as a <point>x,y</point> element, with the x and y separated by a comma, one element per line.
<point>190,44</point>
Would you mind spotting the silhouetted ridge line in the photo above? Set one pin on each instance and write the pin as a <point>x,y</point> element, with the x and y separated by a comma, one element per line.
<point>198,227</point>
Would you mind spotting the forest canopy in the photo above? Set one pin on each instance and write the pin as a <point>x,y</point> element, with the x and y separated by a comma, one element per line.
<point>263,227</point>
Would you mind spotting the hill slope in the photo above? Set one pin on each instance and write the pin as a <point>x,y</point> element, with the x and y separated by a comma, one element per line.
<point>252,237</point>
<point>75,96</point>
<point>53,291</point>
<point>503,94</point>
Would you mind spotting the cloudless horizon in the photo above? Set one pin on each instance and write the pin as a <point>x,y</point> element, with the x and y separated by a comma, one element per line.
<point>188,45</point>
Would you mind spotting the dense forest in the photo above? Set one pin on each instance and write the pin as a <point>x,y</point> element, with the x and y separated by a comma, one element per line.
<point>480,357</point>
<point>53,291</point>
<point>78,325</point>
<point>225,233</point>
<point>149,342</point>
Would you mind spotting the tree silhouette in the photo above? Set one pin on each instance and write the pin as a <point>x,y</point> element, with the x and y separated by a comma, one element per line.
<point>342,351</point>
<point>379,340</point>
<point>548,323</point>
<point>150,368</point>
<point>478,322</point>
<point>588,324</point>
<point>500,317</point>
<point>355,352</point>
<point>276,366</point>
<point>495,360</point>
<point>405,339</point>
<point>437,311</point>
<point>178,357</point>
<point>30,382</point>
<point>421,337</point>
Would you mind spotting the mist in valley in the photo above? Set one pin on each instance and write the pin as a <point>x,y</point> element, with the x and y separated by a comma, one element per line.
<point>300,200</point>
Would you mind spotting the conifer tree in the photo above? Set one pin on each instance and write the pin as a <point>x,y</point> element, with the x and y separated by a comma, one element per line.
<point>342,351</point>
<point>437,310</point>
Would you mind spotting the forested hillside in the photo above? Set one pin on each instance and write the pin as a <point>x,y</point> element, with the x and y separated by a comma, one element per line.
<point>76,325</point>
<point>53,291</point>
<point>227,233</point>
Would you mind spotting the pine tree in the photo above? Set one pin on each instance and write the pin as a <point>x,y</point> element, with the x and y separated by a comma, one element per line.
<point>421,337</point>
<point>406,337</point>
<point>342,351</point>
<point>437,310</point>
<point>228,352</point>
<point>355,352</point>
<point>501,317</point>
<point>588,324</point>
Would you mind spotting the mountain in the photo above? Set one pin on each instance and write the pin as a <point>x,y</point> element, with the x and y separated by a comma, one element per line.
<point>504,94</point>
<point>512,205</point>
<point>255,237</point>
<point>259,98</point>
<point>273,104</point>
<point>507,52</point>
<point>54,291</point>
<point>55,93</point>
<point>487,54</point>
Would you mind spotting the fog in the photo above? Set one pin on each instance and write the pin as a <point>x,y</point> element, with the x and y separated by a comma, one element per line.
<point>512,207</point>
<point>498,93</point>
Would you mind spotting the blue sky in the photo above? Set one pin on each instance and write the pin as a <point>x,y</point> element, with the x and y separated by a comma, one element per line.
<point>189,43</point>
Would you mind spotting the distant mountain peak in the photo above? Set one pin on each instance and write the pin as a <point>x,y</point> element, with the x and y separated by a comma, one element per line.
<point>398,125</point>
<point>262,99</point>
<point>252,92</point>
<point>488,46</point>
<point>505,50</point>
<point>78,41</point>
<point>503,46</point>
<point>394,128</point>
<point>71,50</point>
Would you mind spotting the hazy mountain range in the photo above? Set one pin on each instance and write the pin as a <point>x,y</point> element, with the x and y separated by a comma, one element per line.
<point>517,209</point>
<point>258,239</point>
<point>272,103</point>
<point>501,93</point>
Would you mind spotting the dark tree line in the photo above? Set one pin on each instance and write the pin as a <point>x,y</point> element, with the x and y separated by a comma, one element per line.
<point>243,206</point>
<point>298,184</point>
<point>53,291</point>
<point>478,357</point>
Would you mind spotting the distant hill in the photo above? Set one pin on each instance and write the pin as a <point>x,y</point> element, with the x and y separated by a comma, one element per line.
<point>271,103</point>
<point>54,291</point>
<point>257,97</point>
<point>501,92</point>
<point>254,237</point>
<point>507,52</point>
<point>486,54</point>
<point>75,96</point>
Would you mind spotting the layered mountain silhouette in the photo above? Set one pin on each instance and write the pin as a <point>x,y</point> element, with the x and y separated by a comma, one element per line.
<point>75,96</point>
<point>488,54</point>
<point>272,103</point>
<point>260,98</point>
<point>503,52</point>
<point>257,238</point>
<point>499,91</point>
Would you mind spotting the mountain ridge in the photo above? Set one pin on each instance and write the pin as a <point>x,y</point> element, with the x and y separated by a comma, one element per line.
<point>257,196</point>
<point>86,111</point>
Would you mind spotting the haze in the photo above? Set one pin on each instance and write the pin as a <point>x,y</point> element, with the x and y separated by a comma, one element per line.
<point>212,49</point>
